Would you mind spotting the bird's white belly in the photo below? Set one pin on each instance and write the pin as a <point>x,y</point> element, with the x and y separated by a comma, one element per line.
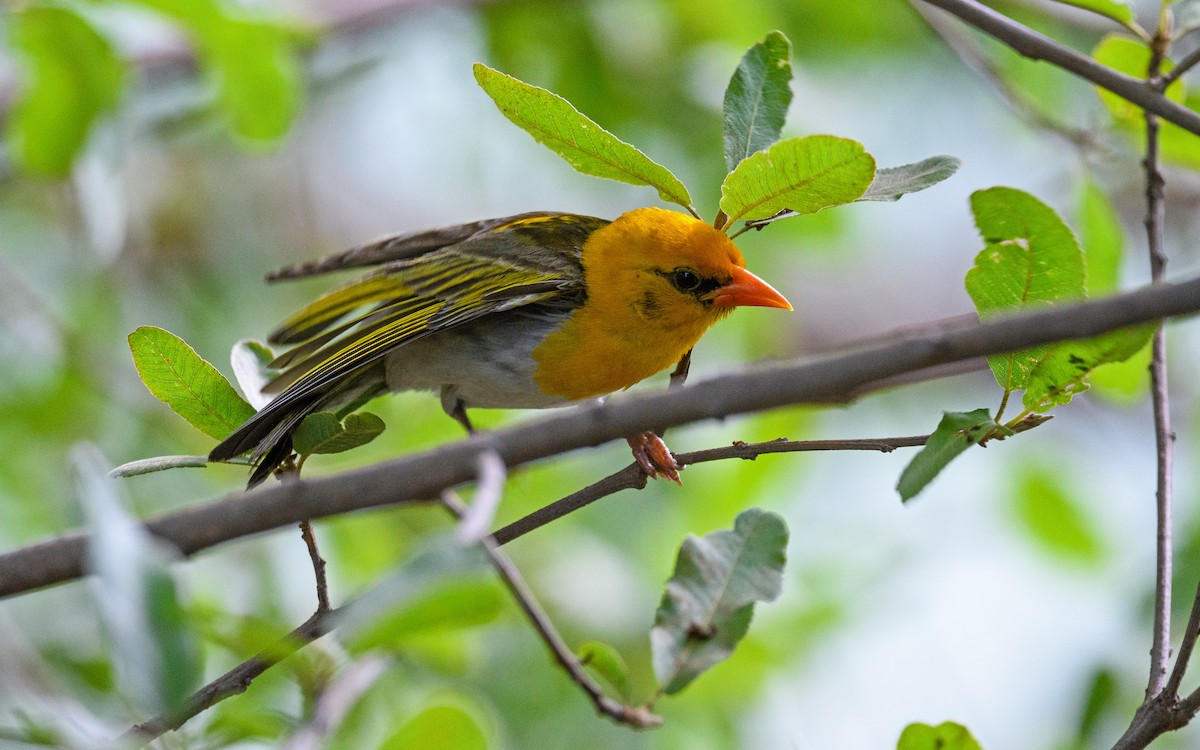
<point>485,365</point>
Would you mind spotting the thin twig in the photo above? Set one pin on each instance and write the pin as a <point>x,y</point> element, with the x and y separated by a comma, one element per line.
<point>633,478</point>
<point>318,563</point>
<point>639,718</point>
<point>1037,46</point>
<point>1189,61</point>
<point>1160,652</point>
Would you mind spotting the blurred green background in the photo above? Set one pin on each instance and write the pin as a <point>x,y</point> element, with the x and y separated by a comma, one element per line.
<point>1012,596</point>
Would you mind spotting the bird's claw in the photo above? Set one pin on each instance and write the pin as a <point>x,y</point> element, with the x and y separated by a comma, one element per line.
<point>654,457</point>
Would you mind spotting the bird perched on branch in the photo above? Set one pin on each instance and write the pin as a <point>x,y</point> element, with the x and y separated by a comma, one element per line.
<point>528,311</point>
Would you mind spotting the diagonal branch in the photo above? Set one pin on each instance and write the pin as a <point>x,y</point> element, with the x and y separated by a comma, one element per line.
<point>1037,46</point>
<point>639,718</point>
<point>422,476</point>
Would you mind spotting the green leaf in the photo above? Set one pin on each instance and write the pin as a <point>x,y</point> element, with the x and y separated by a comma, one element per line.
<point>257,75</point>
<point>138,601</point>
<point>445,727</point>
<point>1031,259</point>
<point>586,146</point>
<point>72,76</point>
<point>1061,372</point>
<point>893,182</point>
<point>799,176</point>
<point>251,60</point>
<point>1103,697</point>
<point>709,600</point>
<point>954,434</point>
<point>321,432</point>
<point>1119,11</point>
<point>605,661</point>
<point>413,598</point>
<point>193,388</point>
<point>1126,381</point>
<point>1102,238</point>
<point>1053,517</point>
<point>757,98</point>
<point>945,736</point>
<point>1176,145</point>
<point>1132,58</point>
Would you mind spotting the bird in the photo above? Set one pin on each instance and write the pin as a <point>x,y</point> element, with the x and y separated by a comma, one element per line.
<point>535,310</point>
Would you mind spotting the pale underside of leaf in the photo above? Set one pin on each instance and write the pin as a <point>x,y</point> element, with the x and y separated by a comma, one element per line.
<point>891,183</point>
<point>709,600</point>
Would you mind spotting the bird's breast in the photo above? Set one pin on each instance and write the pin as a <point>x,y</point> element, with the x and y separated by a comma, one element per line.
<point>597,352</point>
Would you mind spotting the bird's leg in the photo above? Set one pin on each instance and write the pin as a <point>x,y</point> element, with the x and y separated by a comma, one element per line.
<point>653,455</point>
<point>680,373</point>
<point>649,450</point>
<point>454,406</point>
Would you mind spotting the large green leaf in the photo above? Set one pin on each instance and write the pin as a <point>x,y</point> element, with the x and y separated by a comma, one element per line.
<point>757,98</point>
<point>586,146</point>
<point>954,434</point>
<point>800,176</point>
<point>891,183</point>
<point>193,388</point>
<point>709,600</point>
<point>1030,259</point>
<point>72,75</point>
<point>945,736</point>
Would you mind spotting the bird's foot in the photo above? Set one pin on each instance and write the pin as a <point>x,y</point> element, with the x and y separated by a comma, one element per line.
<point>655,458</point>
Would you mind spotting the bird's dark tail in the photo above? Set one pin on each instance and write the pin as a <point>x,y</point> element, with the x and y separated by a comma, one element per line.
<point>267,436</point>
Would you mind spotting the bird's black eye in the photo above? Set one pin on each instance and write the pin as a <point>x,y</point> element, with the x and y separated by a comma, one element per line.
<point>685,280</point>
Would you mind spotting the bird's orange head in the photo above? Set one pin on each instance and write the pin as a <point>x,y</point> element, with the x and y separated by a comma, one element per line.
<point>655,281</point>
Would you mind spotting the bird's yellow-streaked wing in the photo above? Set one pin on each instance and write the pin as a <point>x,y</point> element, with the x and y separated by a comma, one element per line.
<point>405,302</point>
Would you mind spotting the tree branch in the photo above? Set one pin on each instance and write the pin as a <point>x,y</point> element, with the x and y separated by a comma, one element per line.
<point>1160,650</point>
<point>422,476</point>
<point>1037,46</point>
<point>632,477</point>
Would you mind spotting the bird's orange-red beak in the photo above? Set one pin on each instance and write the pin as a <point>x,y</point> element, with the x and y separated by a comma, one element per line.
<point>747,290</point>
